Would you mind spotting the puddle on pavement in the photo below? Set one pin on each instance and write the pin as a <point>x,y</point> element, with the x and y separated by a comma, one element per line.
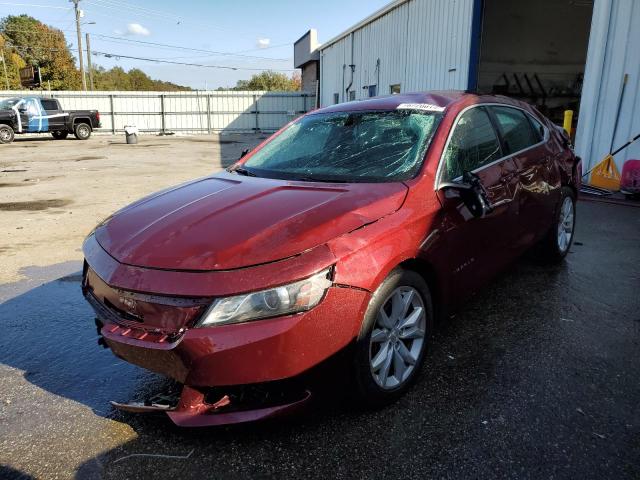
<point>5,185</point>
<point>82,159</point>
<point>64,358</point>
<point>139,145</point>
<point>34,205</point>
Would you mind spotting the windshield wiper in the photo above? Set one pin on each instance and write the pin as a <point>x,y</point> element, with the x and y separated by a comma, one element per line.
<point>317,179</point>
<point>243,171</point>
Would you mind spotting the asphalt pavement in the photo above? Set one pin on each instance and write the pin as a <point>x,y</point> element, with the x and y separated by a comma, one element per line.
<point>538,376</point>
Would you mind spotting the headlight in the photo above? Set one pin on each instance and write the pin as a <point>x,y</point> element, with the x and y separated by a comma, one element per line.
<point>295,297</point>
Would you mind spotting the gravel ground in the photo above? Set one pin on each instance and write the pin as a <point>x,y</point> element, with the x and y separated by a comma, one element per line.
<point>54,192</point>
<point>536,377</point>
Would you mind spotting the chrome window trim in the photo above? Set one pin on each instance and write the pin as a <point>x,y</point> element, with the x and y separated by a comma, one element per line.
<point>545,138</point>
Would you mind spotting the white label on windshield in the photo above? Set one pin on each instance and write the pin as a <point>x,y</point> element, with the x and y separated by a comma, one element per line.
<point>427,107</point>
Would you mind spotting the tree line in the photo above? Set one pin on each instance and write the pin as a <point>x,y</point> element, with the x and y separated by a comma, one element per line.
<point>25,41</point>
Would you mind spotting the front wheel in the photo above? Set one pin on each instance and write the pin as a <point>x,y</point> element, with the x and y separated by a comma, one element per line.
<point>6,134</point>
<point>556,244</point>
<point>59,135</point>
<point>82,131</point>
<point>393,339</point>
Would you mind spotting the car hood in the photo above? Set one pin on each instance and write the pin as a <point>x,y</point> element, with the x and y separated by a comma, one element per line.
<point>227,221</point>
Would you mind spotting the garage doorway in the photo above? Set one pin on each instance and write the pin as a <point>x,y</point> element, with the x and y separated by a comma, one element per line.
<point>535,51</point>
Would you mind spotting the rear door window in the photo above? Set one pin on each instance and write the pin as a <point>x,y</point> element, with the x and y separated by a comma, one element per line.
<point>517,131</point>
<point>473,144</point>
<point>49,105</point>
<point>538,129</point>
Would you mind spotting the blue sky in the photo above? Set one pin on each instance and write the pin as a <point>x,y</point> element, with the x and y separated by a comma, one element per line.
<point>248,28</point>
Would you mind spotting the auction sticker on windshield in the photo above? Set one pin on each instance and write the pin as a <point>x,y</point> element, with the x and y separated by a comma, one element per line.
<point>427,107</point>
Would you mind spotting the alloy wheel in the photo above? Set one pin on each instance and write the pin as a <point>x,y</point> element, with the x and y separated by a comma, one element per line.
<point>565,224</point>
<point>5,135</point>
<point>83,131</point>
<point>398,338</point>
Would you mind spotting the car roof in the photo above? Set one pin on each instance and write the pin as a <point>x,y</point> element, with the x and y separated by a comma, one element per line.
<point>440,99</point>
<point>423,100</point>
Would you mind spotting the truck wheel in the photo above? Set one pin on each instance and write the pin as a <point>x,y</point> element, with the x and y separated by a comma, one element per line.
<point>6,134</point>
<point>59,135</point>
<point>82,131</point>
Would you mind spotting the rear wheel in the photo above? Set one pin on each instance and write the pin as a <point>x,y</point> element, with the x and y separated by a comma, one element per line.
<point>59,135</point>
<point>393,339</point>
<point>6,134</point>
<point>558,241</point>
<point>82,131</point>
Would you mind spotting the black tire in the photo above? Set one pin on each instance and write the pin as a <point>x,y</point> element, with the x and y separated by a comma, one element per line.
<point>367,390</point>
<point>59,135</point>
<point>551,248</point>
<point>6,134</point>
<point>82,131</point>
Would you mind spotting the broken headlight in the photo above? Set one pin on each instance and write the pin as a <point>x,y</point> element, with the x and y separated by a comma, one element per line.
<point>296,297</point>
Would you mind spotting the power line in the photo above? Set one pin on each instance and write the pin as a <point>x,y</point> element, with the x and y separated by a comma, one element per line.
<point>158,60</point>
<point>164,15</point>
<point>178,47</point>
<point>34,5</point>
<point>122,40</point>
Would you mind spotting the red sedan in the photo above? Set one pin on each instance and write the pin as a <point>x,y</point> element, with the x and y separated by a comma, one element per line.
<point>357,225</point>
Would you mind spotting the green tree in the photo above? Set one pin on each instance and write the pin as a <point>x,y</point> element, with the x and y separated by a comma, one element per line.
<point>38,44</point>
<point>270,81</point>
<point>134,79</point>
<point>13,62</point>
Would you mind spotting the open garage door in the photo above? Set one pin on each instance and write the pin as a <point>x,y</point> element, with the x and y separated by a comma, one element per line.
<point>536,51</point>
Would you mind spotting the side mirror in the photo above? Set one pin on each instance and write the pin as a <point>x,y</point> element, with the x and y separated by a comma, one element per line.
<point>22,109</point>
<point>244,152</point>
<point>471,192</point>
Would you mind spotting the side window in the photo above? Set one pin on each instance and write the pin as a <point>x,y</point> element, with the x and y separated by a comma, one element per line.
<point>33,109</point>
<point>538,129</point>
<point>516,129</point>
<point>50,105</point>
<point>474,143</point>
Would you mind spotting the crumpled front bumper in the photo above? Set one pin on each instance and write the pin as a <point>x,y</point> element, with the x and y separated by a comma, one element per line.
<point>224,357</point>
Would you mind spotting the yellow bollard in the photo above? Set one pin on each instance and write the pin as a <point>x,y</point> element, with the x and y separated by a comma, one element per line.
<point>568,120</point>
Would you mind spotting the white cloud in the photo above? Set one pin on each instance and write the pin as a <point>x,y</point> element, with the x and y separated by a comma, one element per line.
<point>137,29</point>
<point>263,42</point>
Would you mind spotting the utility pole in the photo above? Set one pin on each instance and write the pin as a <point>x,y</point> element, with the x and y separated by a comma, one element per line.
<point>6,77</point>
<point>80,54</point>
<point>89,63</point>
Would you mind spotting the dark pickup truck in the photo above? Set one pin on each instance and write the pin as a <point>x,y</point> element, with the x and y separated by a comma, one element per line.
<point>39,115</point>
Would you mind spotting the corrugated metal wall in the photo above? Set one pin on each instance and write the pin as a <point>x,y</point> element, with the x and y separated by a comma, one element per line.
<point>188,112</point>
<point>421,44</point>
<point>613,51</point>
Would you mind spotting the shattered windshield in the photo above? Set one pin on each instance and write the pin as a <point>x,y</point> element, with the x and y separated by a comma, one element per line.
<point>7,103</point>
<point>348,147</point>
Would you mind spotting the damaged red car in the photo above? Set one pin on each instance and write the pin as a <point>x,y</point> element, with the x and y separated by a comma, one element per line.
<point>354,227</point>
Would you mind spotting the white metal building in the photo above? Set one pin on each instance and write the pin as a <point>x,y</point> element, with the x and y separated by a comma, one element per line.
<point>557,54</point>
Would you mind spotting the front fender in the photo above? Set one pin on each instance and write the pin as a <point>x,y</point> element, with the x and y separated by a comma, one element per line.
<point>367,255</point>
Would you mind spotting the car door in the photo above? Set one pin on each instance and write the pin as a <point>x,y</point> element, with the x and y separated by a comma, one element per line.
<point>535,183</point>
<point>55,116</point>
<point>476,247</point>
<point>36,119</point>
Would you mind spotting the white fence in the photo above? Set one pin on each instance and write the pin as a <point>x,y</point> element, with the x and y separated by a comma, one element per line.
<point>187,112</point>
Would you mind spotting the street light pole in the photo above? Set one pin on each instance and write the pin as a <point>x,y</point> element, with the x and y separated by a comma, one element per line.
<point>89,62</point>
<point>80,54</point>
